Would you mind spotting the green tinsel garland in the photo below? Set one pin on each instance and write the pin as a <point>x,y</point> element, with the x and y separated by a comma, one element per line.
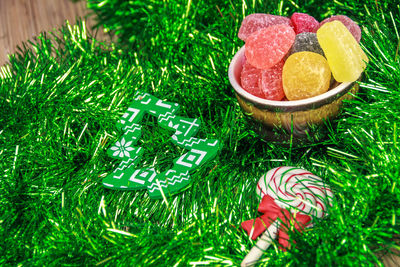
<point>61,95</point>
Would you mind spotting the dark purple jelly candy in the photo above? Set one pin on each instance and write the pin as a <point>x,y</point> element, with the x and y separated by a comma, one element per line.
<point>306,41</point>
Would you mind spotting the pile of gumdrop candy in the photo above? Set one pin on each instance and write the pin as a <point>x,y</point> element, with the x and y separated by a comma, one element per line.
<point>295,58</point>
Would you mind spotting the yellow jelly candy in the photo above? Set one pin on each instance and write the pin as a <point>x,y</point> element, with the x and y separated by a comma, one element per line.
<point>305,74</point>
<point>345,56</point>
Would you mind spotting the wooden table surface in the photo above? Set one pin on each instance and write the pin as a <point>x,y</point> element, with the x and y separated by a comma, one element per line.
<point>21,20</point>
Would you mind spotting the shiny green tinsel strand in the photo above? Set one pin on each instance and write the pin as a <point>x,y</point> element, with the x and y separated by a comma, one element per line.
<point>62,94</point>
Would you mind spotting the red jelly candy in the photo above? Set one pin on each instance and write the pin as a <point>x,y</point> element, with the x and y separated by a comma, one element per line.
<point>348,22</point>
<point>270,82</point>
<point>304,23</point>
<point>266,47</point>
<point>249,79</point>
<point>254,22</point>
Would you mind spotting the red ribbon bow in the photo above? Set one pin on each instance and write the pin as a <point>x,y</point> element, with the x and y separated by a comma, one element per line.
<point>271,211</point>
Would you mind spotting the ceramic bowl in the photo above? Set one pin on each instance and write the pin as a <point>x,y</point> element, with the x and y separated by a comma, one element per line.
<point>297,118</point>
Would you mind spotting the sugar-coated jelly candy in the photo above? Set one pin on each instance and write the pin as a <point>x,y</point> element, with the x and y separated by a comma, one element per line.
<point>345,57</point>
<point>249,78</point>
<point>304,75</point>
<point>304,23</point>
<point>306,41</point>
<point>348,22</point>
<point>266,47</point>
<point>254,22</point>
<point>266,84</point>
<point>270,82</point>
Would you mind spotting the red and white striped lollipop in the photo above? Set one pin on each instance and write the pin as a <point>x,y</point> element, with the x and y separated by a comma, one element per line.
<point>285,193</point>
<point>297,189</point>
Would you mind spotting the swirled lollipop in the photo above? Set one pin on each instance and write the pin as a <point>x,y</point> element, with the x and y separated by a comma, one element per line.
<point>290,194</point>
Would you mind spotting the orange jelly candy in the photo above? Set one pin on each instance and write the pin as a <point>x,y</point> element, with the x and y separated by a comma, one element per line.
<point>305,74</point>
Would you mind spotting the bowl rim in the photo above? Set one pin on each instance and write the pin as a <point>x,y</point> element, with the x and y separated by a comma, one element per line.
<point>302,104</point>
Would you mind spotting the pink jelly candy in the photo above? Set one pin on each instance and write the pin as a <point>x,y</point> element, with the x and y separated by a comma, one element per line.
<point>266,47</point>
<point>249,79</point>
<point>270,82</point>
<point>254,22</point>
<point>304,23</point>
<point>348,22</point>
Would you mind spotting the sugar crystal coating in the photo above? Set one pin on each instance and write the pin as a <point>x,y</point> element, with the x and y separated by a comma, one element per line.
<point>254,22</point>
<point>304,23</point>
<point>348,22</point>
<point>249,78</point>
<point>266,47</point>
<point>306,41</point>
<point>345,57</point>
<point>270,82</point>
<point>304,75</point>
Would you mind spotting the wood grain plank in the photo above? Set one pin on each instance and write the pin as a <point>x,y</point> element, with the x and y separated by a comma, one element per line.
<point>22,20</point>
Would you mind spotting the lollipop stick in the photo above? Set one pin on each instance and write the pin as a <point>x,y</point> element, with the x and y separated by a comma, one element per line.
<point>262,244</point>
